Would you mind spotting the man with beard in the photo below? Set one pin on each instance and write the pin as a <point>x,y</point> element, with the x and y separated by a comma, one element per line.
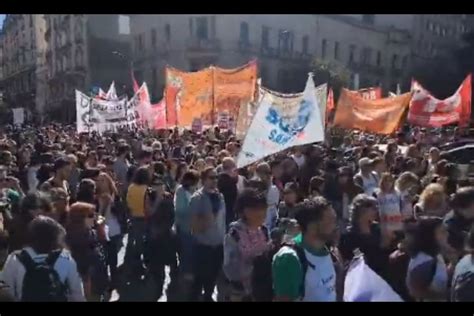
<point>306,271</point>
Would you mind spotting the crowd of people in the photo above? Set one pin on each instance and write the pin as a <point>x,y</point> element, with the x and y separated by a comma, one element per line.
<point>282,229</point>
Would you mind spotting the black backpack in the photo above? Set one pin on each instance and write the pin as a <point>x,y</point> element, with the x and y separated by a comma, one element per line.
<point>41,282</point>
<point>262,278</point>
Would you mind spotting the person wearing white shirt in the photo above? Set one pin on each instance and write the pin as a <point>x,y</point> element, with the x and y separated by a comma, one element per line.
<point>299,158</point>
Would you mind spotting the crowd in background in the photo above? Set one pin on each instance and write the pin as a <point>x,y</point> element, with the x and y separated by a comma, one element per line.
<point>281,229</point>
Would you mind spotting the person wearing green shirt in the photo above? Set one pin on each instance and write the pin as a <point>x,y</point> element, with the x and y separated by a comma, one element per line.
<point>315,279</point>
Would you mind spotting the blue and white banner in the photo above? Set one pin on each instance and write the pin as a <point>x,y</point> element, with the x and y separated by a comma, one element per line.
<point>277,125</point>
<point>362,284</point>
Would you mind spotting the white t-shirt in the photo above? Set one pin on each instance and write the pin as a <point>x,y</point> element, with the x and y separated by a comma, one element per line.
<point>273,198</point>
<point>299,160</point>
<point>320,283</point>
<point>440,279</point>
<point>370,183</point>
<point>389,211</point>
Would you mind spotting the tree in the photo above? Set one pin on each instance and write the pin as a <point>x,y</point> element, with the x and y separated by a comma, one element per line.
<point>334,74</point>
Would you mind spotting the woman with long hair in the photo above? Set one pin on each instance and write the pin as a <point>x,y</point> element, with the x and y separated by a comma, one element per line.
<point>364,234</point>
<point>87,249</point>
<point>427,277</point>
<point>407,185</point>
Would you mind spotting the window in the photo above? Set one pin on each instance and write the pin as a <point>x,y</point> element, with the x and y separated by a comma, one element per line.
<point>395,61</point>
<point>323,48</point>
<point>140,41</point>
<point>265,37</point>
<point>305,47</point>
<point>153,37</point>
<point>79,57</point>
<point>202,30</point>
<point>336,50</point>
<point>379,58</point>
<point>366,56</point>
<point>31,20</point>
<point>168,32</point>
<point>352,49</point>
<point>404,62</point>
<point>154,77</point>
<point>244,33</point>
<point>284,40</point>
<point>191,27</point>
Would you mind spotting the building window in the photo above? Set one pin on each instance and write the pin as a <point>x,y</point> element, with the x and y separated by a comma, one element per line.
<point>323,48</point>
<point>191,27</point>
<point>265,37</point>
<point>141,44</point>
<point>305,48</point>
<point>404,62</point>
<point>168,32</point>
<point>379,58</point>
<point>31,20</point>
<point>202,30</point>
<point>153,37</point>
<point>284,41</point>
<point>366,56</point>
<point>352,49</point>
<point>336,50</point>
<point>395,61</point>
<point>244,33</point>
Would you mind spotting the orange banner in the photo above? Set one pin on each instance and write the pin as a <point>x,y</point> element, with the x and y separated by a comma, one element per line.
<point>233,89</point>
<point>380,116</point>
<point>188,95</point>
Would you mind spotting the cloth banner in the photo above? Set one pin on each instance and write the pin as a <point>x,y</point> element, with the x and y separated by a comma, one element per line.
<point>112,93</point>
<point>278,126</point>
<point>233,88</point>
<point>18,116</point>
<point>280,100</point>
<point>329,105</point>
<point>372,93</point>
<point>362,284</point>
<point>100,115</point>
<point>428,111</point>
<point>381,116</point>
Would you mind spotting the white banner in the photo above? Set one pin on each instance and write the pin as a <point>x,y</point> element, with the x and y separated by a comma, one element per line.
<point>362,284</point>
<point>276,127</point>
<point>18,116</point>
<point>100,115</point>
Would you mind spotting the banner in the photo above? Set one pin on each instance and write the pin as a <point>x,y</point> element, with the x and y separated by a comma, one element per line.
<point>188,95</point>
<point>281,100</point>
<point>18,116</point>
<point>381,116</point>
<point>373,93</point>
<point>100,115</point>
<point>428,111</point>
<point>233,88</point>
<point>278,126</point>
<point>112,93</point>
<point>159,115</point>
<point>329,105</point>
<point>362,284</point>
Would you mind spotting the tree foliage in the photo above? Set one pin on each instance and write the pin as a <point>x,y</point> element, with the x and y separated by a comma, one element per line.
<point>332,73</point>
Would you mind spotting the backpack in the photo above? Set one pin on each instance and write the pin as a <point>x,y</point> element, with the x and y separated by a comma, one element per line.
<point>41,282</point>
<point>262,278</point>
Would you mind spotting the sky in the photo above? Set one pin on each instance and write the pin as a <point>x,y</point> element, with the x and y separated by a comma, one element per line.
<point>2,17</point>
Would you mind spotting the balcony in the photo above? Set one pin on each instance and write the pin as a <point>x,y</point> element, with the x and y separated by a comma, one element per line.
<point>203,47</point>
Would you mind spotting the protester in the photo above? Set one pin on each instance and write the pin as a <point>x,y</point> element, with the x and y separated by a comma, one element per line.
<point>207,207</point>
<point>227,185</point>
<point>264,173</point>
<point>43,271</point>
<point>308,274</point>
<point>462,289</point>
<point>366,178</point>
<point>427,277</point>
<point>247,238</point>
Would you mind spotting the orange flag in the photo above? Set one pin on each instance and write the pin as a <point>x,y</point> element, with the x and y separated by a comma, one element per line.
<point>380,116</point>
<point>329,104</point>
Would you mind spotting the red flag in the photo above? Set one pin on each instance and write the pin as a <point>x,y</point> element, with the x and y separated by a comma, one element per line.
<point>135,83</point>
<point>329,104</point>
<point>428,111</point>
<point>159,115</point>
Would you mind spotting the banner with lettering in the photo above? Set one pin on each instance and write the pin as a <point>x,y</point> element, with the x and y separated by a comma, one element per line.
<point>278,126</point>
<point>100,115</point>
<point>380,116</point>
<point>372,93</point>
<point>233,88</point>
<point>188,95</point>
<point>18,116</point>
<point>282,101</point>
<point>428,111</point>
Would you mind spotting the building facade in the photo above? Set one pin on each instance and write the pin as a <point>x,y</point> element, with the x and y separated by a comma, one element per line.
<point>22,47</point>
<point>80,55</point>
<point>284,45</point>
